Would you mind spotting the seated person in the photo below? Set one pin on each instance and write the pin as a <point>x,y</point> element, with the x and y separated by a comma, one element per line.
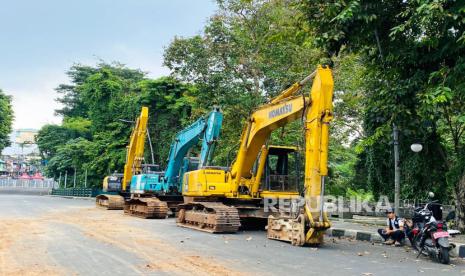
<point>394,232</point>
<point>408,226</point>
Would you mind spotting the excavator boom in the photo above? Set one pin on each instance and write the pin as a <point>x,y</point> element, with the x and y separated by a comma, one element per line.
<point>206,128</point>
<point>112,199</point>
<point>135,150</point>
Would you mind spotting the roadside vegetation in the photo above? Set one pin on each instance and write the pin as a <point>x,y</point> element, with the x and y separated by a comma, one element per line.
<point>6,120</point>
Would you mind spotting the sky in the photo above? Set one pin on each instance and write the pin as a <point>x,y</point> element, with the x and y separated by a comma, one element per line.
<point>40,40</point>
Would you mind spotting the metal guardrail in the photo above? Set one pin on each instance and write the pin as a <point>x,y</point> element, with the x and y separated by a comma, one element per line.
<point>28,184</point>
<point>76,192</point>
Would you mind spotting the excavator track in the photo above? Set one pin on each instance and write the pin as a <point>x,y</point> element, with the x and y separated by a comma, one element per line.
<point>212,217</point>
<point>110,202</point>
<point>146,207</point>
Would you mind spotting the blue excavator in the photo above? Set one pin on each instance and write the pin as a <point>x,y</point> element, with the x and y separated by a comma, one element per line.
<point>154,192</point>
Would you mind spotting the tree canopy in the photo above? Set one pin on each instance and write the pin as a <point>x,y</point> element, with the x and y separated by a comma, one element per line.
<point>6,120</point>
<point>414,55</point>
<point>99,107</point>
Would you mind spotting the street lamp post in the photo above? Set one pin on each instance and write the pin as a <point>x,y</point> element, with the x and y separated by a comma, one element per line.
<point>395,131</point>
<point>85,179</point>
<point>415,147</point>
<point>74,180</point>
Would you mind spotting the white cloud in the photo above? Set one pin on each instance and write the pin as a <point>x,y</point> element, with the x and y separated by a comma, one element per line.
<point>34,99</point>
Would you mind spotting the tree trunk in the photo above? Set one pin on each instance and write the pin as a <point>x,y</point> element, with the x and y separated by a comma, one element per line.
<point>460,204</point>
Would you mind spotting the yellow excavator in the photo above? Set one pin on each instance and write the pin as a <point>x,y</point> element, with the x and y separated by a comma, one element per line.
<point>113,196</point>
<point>218,199</point>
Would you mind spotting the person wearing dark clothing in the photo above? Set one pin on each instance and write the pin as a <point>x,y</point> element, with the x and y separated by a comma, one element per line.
<point>408,226</point>
<point>394,232</point>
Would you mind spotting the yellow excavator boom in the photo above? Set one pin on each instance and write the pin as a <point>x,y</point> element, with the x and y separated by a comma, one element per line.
<point>281,110</point>
<point>134,158</point>
<point>135,149</point>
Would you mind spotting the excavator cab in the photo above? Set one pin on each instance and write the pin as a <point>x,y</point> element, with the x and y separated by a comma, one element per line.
<point>190,163</point>
<point>147,181</point>
<point>113,183</point>
<point>282,168</point>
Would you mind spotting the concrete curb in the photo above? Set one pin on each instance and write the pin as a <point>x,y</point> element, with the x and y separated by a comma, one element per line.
<point>74,197</point>
<point>360,235</point>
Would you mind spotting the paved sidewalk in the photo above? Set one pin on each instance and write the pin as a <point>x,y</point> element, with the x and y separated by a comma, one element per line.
<point>367,231</point>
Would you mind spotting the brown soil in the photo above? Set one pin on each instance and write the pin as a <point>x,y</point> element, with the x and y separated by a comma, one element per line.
<point>17,256</point>
<point>23,249</point>
<point>113,228</point>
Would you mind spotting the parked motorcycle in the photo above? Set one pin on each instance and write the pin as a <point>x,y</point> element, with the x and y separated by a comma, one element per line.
<point>430,236</point>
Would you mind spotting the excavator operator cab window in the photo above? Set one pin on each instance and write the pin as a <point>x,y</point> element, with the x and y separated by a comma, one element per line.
<point>150,168</point>
<point>281,169</point>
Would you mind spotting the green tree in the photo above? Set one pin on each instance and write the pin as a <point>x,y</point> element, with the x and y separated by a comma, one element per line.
<point>72,95</point>
<point>170,105</point>
<point>413,52</point>
<point>50,137</point>
<point>6,119</point>
<point>99,108</point>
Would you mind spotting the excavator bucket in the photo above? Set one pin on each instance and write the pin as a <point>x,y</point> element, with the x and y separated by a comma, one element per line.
<point>287,229</point>
<point>110,202</point>
<point>296,230</point>
<point>149,208</point>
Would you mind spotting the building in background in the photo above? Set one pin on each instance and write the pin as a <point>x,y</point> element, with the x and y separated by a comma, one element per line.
<point>22,156</point>
<point>3,170</point>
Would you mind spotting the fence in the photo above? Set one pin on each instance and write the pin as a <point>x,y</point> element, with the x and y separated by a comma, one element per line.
<point>28,184</point>
<point>76,192</point>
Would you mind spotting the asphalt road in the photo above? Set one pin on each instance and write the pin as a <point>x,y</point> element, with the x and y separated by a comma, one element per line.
<point>57,236</point>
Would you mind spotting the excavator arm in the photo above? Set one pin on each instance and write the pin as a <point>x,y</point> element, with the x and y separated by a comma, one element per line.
<point>135,149</point>
<point>311,223</point>
<point>211,135</point>
<point>317,122</point>
<point>281,110</point>
<point>207,128</point>
<point>316,109</point>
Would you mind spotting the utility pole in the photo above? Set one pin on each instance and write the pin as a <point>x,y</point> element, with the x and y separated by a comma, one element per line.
<point>74,181</point>
<point>395,134</point>
<point>85,179</point>
<point>66,178</point>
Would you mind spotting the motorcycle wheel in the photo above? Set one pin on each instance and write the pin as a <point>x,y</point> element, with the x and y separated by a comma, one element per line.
<point>416,243</point>
<point>444,255</point>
